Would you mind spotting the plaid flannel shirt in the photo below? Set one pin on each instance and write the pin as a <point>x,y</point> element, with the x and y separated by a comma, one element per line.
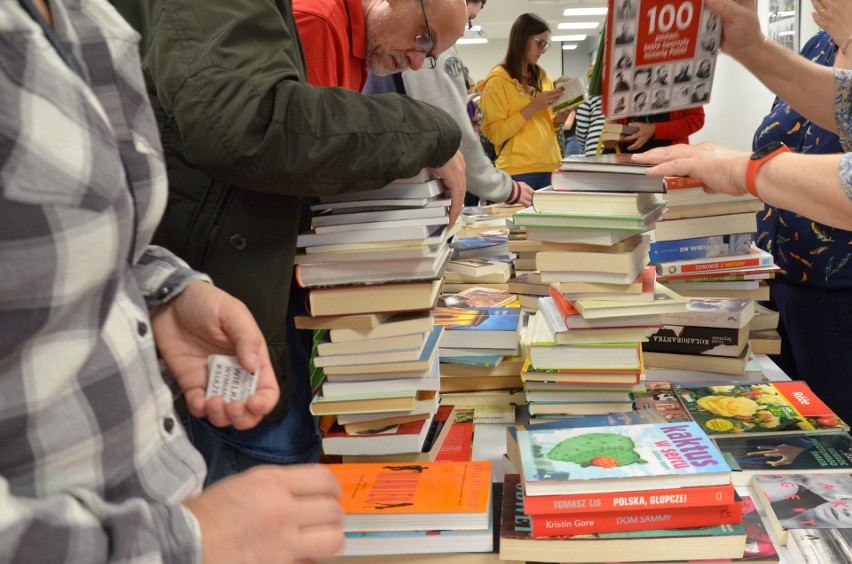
<point>93,461</point>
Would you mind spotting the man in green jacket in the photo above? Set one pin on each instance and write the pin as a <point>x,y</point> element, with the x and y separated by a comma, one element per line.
<point>246,138</point>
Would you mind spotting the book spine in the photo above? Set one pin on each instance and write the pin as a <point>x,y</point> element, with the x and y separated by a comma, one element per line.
<point>678,267</point>
<point>688,339</point>
<point>643,520</point>
<point>566,309</point>
<point>676,182</point>
<point>701,496</point>
<point>699,247</point>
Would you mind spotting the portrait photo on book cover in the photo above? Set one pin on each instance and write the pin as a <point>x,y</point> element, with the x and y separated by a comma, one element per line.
<point>816,501</point>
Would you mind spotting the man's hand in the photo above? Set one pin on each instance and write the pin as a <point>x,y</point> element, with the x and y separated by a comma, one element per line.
<point>526,194</point>
<point>270,514</point>
<point>721,170</point>
<point>205,320</point>
<point>640,138</point>
<point>452,174</point>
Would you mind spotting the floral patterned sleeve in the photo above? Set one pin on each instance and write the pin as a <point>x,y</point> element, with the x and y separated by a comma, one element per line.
<point>843,115</point>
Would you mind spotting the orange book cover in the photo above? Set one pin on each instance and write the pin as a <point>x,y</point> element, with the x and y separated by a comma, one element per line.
<point>388,489</point>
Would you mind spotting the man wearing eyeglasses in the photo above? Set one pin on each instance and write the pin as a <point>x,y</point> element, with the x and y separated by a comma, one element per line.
<point>343,39</point>
<point>444,86</point>
<point>246,138</point>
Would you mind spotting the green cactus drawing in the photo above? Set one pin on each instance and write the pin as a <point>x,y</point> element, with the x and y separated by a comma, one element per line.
<point>605,450</point>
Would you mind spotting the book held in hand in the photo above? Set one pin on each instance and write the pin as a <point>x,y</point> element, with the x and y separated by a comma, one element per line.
<point>658,56</point>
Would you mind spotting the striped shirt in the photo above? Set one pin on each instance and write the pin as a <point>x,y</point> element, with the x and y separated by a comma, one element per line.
<point>590,121</point>
<point>93,462</point>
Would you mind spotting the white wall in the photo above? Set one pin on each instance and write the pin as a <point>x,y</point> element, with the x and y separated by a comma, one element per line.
<point>738,101</point>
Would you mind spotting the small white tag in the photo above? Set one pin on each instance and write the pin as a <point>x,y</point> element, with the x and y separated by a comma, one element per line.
<point>228,380</point>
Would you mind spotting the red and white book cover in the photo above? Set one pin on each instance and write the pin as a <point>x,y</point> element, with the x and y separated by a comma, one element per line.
<point>660,55</point>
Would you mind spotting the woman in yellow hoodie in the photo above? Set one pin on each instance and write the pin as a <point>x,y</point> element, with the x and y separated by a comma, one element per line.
<point>516,100</point>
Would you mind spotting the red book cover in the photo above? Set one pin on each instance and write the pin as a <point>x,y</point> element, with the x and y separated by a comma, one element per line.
<point>750,273</point>
<point>636,520</point>
<point>678,182</point>
<point>571,504</point>
<point>458,443</point>
<point>756,257</point>
<point>809,406</point>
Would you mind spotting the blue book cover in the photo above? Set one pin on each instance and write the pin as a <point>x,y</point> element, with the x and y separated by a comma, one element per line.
<point>700,247</point>
<point>631,457</point>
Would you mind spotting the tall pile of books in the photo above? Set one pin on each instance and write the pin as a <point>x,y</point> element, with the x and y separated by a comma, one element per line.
<point>704,248</point>
<point>428,508</point>
<point>372,263</point>
<point>636,492</point>
<point>584,343</point>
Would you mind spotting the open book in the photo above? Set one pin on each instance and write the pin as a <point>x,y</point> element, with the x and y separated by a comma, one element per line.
<point>659,56</point>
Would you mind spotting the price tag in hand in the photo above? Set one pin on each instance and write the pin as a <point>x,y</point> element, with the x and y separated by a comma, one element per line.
<point>228,380</point>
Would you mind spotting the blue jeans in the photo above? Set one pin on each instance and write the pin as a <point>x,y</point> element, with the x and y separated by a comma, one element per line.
<point>536,180</point>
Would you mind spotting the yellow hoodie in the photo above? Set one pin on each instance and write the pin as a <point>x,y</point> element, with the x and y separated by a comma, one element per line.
<point>522,145</point>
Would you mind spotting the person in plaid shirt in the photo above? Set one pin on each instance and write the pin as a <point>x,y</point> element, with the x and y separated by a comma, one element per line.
<point>94,465</point>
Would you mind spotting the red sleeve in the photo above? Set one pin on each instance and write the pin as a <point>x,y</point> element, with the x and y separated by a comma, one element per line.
<point>682,124</point>
<point>323,52</point>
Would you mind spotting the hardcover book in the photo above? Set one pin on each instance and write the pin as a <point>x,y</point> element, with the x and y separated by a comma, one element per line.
<point>517,542</point>
<point>690,228</point>
<point>423,496</point>
<point>713,365</point>
<point>771,408</point>
<point>580,235</point>
<point>666,301</point>
<point>658,57</point>
<point>804,501</point>
<point>825,453</point>
<point>638,222</point>
<point>568,201</point>
<point>611,459</point>
<point>373,298</point>
<point>620,262</point>
<point>701,247</point>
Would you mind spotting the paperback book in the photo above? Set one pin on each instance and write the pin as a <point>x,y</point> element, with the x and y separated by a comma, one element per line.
<point>688,339</point>
<point>611,459</point>
<point>771,408</point>
<point>795,452</point>
<point>485,327</point>
<point>701,247</point>
<point>568,201</point>
<point>730,313</point>
<point>423,496</point>
<point>755,257</point>
<point>804,501</point>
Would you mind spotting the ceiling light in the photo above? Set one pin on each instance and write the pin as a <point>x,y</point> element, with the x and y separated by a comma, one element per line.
<point>473,35</point>
<point>568,38</point>
<point>578,25</point>
<point>584,11</point>
<point>569,46</point>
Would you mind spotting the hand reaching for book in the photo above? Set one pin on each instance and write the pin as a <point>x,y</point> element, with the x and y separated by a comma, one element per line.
<point>787,453</point>
<point>452,174</point>
<point>281,514</point>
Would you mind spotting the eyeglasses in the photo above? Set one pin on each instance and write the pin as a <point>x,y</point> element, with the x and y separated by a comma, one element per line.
<point>424,41</point>
<point>542,44</point>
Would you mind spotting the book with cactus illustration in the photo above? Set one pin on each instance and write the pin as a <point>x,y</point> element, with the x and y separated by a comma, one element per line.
<point>620,458</point>
<point>766,409</point>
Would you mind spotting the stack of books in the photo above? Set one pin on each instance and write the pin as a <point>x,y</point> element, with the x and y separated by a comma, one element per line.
<point>428,508</point>
<point>763,336</point>
<point>528,287</point>
<point>579,484</point>
<point>704,244</point>
<point>482,328</point>
<point>373,263</point>
<point>711,336</point>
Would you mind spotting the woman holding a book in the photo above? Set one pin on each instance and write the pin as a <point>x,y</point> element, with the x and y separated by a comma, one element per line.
<point>516,106</point>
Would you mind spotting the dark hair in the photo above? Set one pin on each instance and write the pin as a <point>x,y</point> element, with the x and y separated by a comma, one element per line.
<point>515,62</point>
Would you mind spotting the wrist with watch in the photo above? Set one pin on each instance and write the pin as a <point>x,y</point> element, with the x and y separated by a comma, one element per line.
<point>760,158</point>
